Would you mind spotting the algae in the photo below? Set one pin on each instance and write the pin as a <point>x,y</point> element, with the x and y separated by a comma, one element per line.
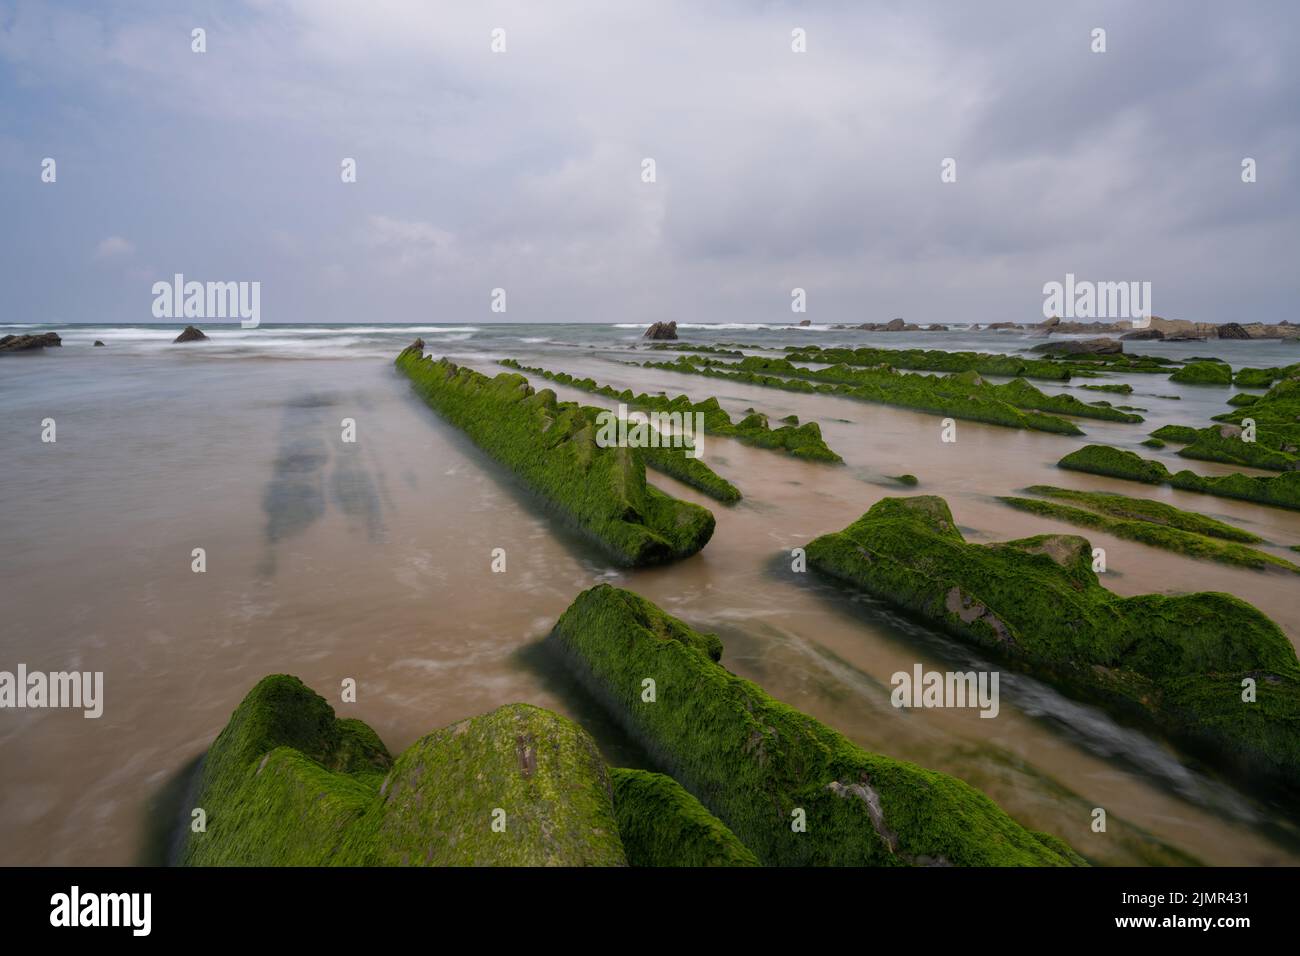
<point>552,447</point>
<point>755,762</point>
<point>1177,663</point>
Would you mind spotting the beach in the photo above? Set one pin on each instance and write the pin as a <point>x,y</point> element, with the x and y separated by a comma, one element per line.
<point>372,561</point>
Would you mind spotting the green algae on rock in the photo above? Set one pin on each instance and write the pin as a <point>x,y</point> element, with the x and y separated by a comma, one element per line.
<point>286,783</point>
<point>801,441</point>
<point>661,824</point>
<point>1158,536</point>
<point>1203,373</point>
<point>934,360</point>
<point>1178,663</point>
<point>552,447</point>
<point>915,392</point>
<point>1144,509</point>
<point>761,766</point>
<point>1280,491</point>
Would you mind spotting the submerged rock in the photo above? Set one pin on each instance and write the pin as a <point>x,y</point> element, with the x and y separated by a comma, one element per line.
<point>1178,662</point>
<point>288,783</point>
<point>190,334</point>
<point>1143,335</point>
<point>661,330</point>
<point>98,343</point>
<point>794,790</point>
<point>26,343</point>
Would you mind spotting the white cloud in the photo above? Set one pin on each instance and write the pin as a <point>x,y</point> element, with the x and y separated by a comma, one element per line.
<point>114,247</point>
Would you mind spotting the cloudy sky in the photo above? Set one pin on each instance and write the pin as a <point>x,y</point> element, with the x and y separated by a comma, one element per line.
<point>774,169</point>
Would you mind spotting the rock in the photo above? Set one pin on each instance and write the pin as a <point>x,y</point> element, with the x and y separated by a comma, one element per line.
<point>894,325</point>
<point>935,327</point>
<point>805,323</point>
<point>997,326</point>
<point>288,783</point>
<point>1082,347</point>
<point>661,330</point>
<point>1051,323</point>
<point>190,334</point>
<point>25,343</point>
<point>1143,335</point>
<point>1203,373</point>
<point>98,344</point>
<point>1231,330</point>
<point>1184,337</point>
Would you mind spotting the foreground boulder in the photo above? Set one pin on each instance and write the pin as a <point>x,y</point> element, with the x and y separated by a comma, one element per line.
<point>552,447</point>
<point>1176,662</point>
<point>190,334</point>
<point>759,765</point>
<point>661,824</point>
<point>287,783</point>
<point>26,343</point>
<point>661,330</point>
<point>1081,347</point>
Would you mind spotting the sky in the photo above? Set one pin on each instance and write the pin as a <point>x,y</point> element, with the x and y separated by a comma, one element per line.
<point>522,170</point>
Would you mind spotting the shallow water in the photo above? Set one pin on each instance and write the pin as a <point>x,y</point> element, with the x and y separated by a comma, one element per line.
<point>372,561</point>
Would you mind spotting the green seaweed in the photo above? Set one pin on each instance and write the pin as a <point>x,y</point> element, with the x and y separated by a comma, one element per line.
<point>1280,491</point>
<point>286,783</point>
<point>800,441</point>
<point>661,824</point>
<point>1144,509</point>
<point>1178,663</point>
<point>1203,373</point>
<point>552,446</point>
<point>922,393</point>
<point>1158,536</point>
<point>910,480</point>
<point>935,360</point>
<point>756,763</point>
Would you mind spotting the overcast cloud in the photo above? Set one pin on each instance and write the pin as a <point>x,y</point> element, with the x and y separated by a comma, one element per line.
<point>522,170</point>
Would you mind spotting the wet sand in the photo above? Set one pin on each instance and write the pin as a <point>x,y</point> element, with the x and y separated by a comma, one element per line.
<point>372,561</point>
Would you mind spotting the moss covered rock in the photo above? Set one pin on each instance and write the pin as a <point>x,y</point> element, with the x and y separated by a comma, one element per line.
<point>761,766</point>
<point>662,825</point>
<point>287,783</point>
<point>801,441</point>
<point>1177,662</point>
<point>551,445</point>
<point>1281,491</point>
<point>1203,373</point>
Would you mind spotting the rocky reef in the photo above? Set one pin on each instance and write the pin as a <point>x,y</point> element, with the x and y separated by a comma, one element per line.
<point>934,360</point>
<point>1179,663</point>
<point>800,441</point>
<point>551,446</point>
<point>1187,543</point>
<point>970,398</point>
<point>794,791</point>
<point>1280,491</point>
<point>28,343</point>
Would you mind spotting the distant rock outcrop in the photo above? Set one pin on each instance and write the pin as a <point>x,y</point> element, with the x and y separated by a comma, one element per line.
<point>190,334</point>
<point>1143,335</point>
<point>805,323</point>
<point>98,344</point>
<point>1231,330</point>
<point>1081,347</point>
<point>25,343</point>
<point>661,330</point>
